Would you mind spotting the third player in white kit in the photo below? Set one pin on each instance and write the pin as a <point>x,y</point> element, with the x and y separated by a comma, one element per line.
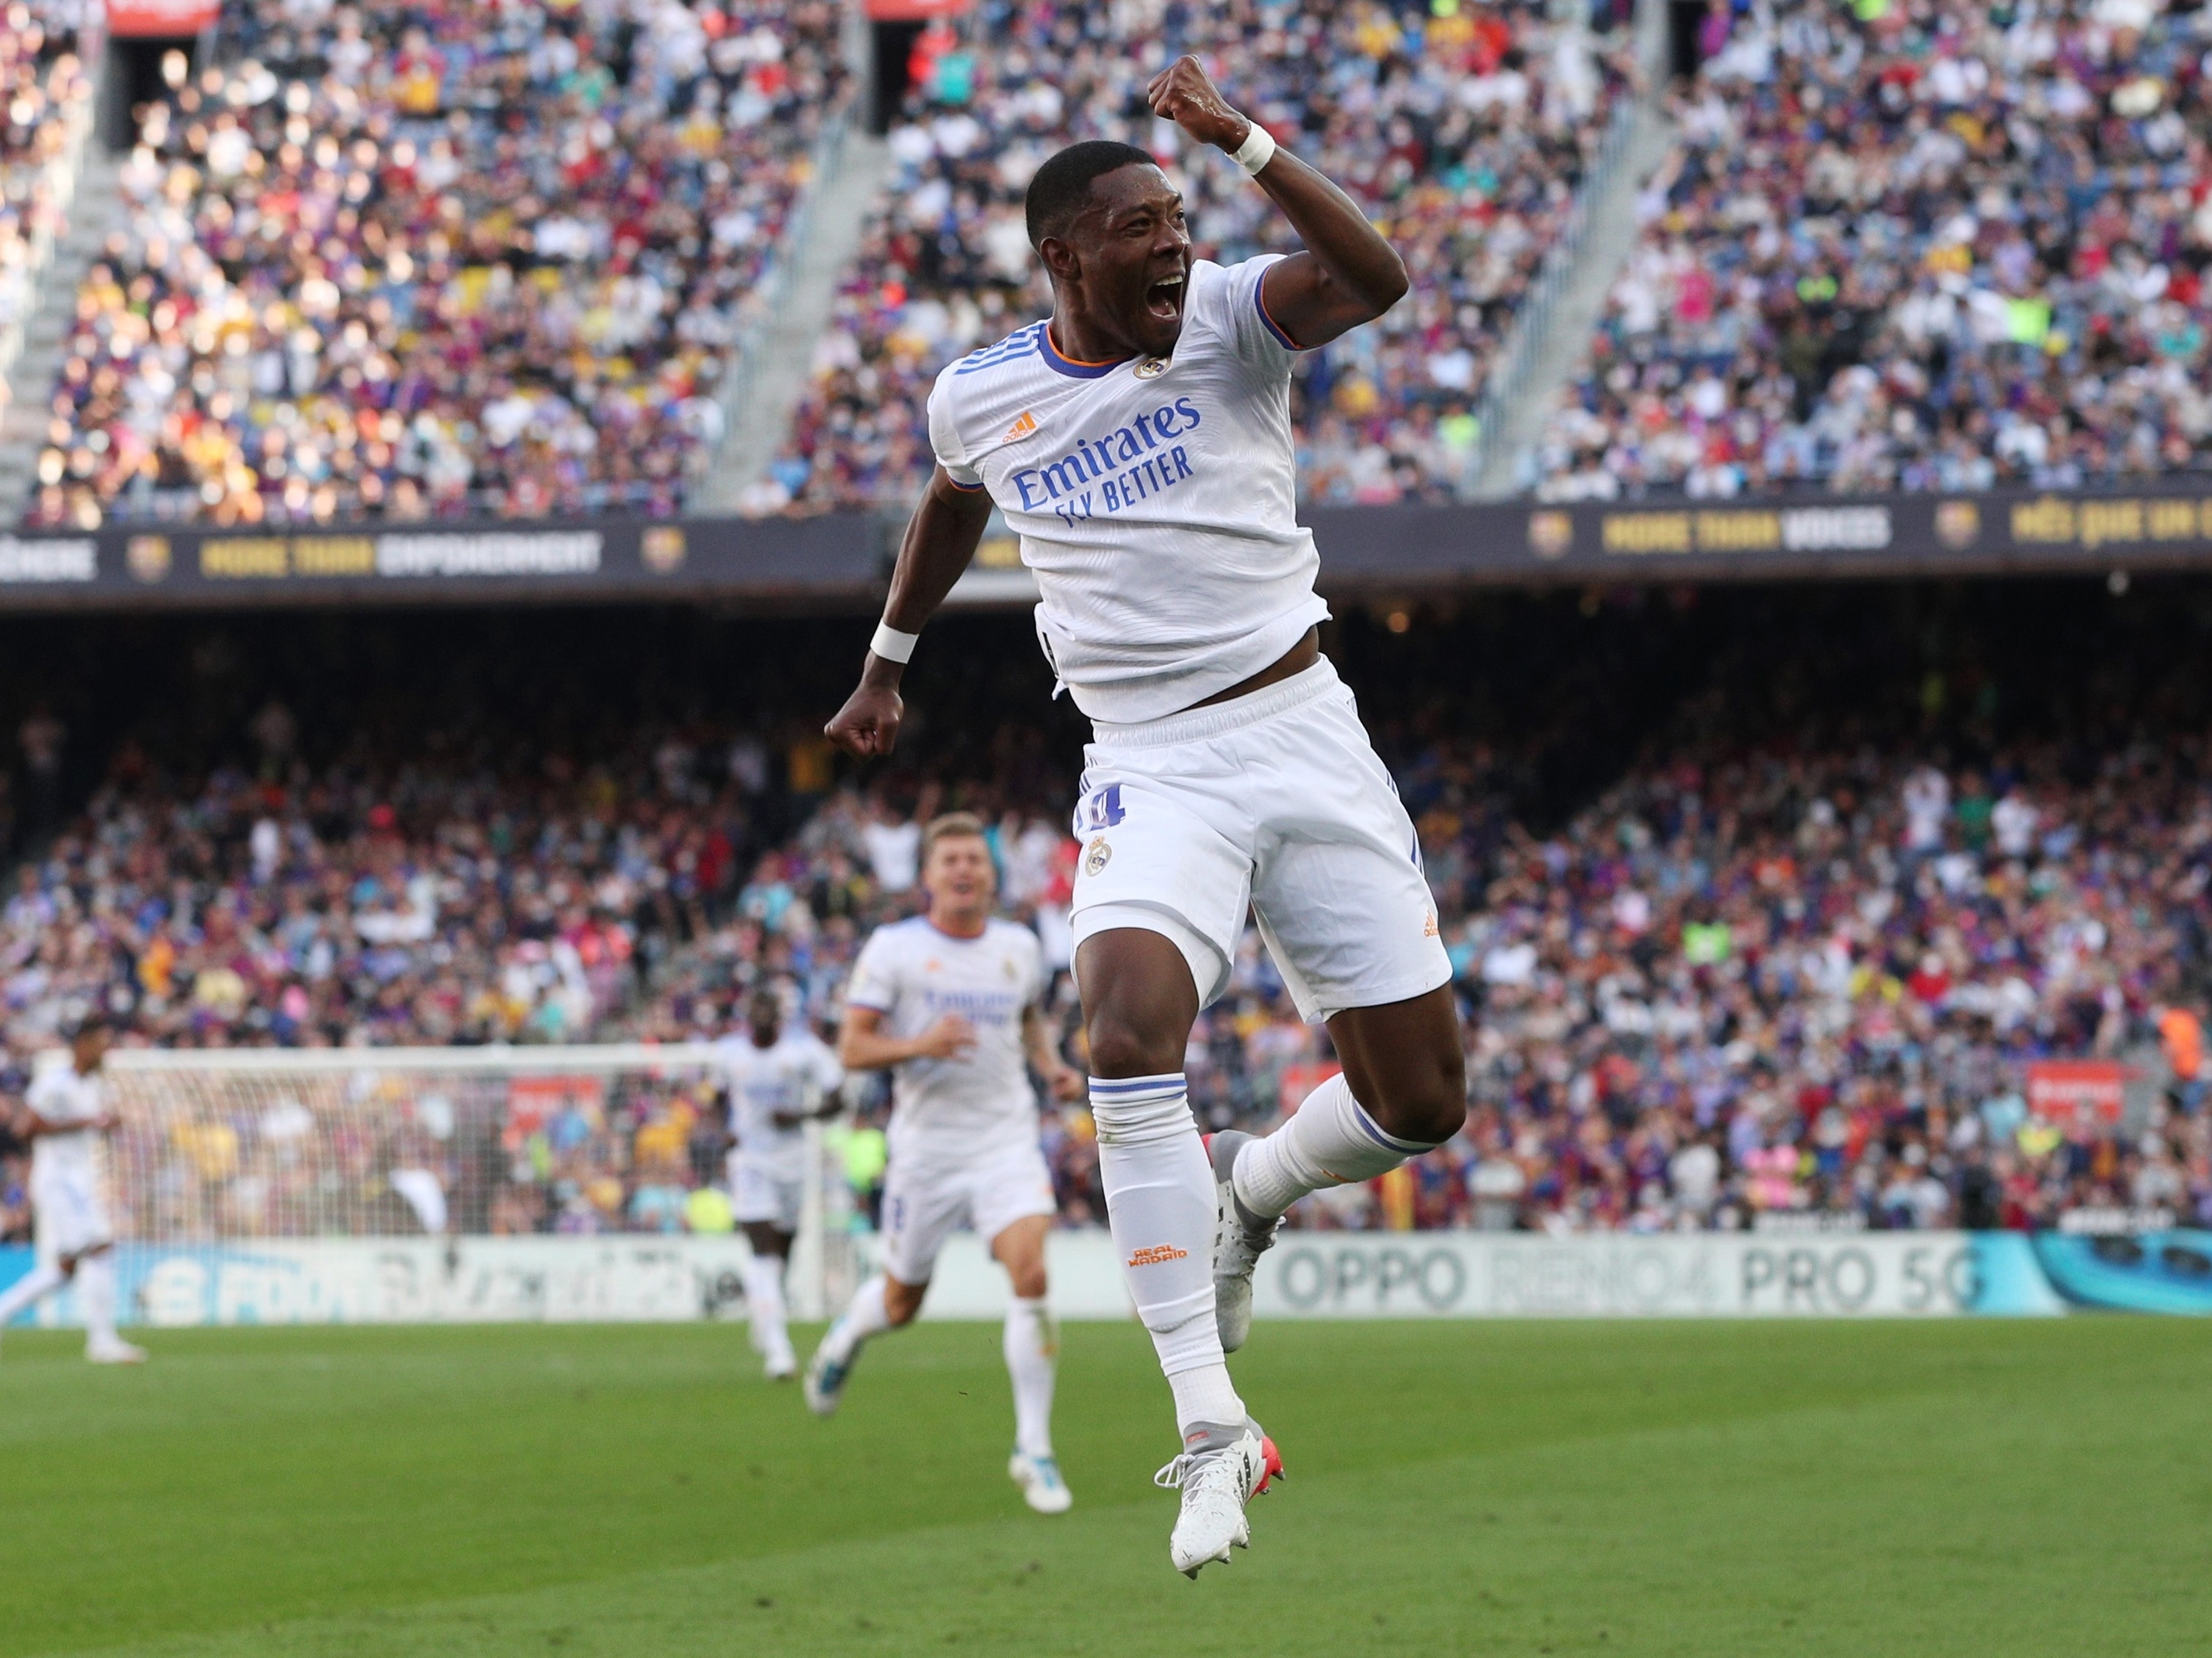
<point>1140,442</point>
<point>68,1112</point>
<point>777,1077</point>
<point>949,1001</point>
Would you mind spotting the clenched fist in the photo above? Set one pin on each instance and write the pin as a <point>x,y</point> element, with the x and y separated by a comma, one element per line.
<point>868,724</point>
<point>1184,93</point>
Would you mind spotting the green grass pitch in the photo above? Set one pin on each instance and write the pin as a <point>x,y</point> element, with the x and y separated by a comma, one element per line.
<point>1967,1488</point>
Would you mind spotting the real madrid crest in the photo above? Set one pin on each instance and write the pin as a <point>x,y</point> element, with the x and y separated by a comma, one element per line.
<point>1094,859</point>
<point>1151,368</point>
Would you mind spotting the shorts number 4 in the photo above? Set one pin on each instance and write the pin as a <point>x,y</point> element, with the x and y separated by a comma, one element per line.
<point>1101,809</point>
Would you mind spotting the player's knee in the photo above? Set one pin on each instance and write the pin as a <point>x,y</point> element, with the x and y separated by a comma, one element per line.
<point>1028,1279</point>
<point>902,1301</point>
<point>1429,1105</point>
<point>1125,1047</point>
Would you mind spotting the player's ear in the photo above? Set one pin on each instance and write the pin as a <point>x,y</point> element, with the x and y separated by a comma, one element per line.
<point>1060,259</point>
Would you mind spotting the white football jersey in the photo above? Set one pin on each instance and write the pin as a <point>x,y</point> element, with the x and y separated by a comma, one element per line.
<point>1156,499</point>
<point>60,1095</point>
<point>791,1075</point>
<point>952,1111</point>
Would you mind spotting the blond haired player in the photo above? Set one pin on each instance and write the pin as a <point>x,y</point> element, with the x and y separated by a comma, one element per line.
<point>1140,442</point>
<point>67,1109</point>
<point>948,1003</point>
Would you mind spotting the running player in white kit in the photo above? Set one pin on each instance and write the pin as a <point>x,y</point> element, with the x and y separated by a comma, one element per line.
<point>67,1109</point>
<point>1140,441</point>
<point>777,1078</point>
<point>949,1001</point>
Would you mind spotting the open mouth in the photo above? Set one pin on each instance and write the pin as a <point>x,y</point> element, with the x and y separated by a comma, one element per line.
<point>1164,299</point>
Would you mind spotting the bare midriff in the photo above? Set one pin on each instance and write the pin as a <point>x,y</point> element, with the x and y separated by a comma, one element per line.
<point>1296,660</point>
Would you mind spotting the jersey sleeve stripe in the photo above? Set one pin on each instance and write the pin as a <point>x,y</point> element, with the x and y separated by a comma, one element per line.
<point>1260,300</point>
<point>964,489</point>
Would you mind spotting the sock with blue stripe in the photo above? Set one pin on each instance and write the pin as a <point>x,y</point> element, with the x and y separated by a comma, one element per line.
<point>1160,1205</point>
<point>1330,1141</point>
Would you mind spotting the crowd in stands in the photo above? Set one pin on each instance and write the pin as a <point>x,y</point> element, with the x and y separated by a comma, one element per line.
<point>1905,246</point>
<point>392,260</point>
<point>1752,978</point>
<point>45,106</point>
<point>1462,129</point>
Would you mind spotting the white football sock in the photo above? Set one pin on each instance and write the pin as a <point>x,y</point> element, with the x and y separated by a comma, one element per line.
<point>1031,1346</point>
<point>95,1298</point>
<point>40,1280</point>
<point>1206,1395</point>
<point>765,1304</point>
<point>1160,1204</point>
<point>863,1316</point>
<point>1329,1142</point>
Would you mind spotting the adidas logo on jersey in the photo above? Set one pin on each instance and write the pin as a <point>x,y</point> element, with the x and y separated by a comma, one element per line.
<point>1025,427</point>
<point>1156,1255</point>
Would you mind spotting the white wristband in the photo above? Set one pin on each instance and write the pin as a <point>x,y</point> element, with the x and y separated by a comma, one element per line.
<point>1257,150</point>
<point>891,644</point>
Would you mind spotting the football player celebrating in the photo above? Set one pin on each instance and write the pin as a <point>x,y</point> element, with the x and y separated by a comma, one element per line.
<point>1140,442</point>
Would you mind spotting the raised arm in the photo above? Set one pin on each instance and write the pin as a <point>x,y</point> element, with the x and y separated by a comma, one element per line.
<point>940,538</point>
<point>1348,273</point>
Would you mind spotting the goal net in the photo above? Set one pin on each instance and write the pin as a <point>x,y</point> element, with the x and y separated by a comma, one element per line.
<point>240,1146</point>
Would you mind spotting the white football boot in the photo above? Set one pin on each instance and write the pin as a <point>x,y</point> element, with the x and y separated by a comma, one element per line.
<point>780,1365</point>
<point>1043,1488</point>
<point>115,1351</point>
<point>1221,1469</point>
<point>1240,1238</point>
<point>825,1380</point>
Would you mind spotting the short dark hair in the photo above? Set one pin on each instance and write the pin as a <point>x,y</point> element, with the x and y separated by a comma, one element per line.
<point>1062,185</point>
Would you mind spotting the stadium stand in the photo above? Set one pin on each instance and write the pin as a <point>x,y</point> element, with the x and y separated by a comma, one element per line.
<point>397,261</point>
<point>1762,912</point>
<point>1464,131</point>
<point>1900,246</point>
<point>46,98</point>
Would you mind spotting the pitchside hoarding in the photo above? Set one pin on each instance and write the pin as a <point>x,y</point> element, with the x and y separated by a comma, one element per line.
<point>1307,1275</point>
<point>843,557</point>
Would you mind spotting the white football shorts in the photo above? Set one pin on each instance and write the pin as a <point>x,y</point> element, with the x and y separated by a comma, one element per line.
<point>1275,800</point>
<point>68,1216</point>
<point>761,1191</point>
<point>923,1203</point>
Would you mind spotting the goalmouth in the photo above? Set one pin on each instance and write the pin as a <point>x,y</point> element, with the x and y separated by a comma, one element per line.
<point>435,1184</point>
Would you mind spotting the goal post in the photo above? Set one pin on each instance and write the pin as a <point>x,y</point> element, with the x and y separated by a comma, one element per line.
<point>290,1150</point>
